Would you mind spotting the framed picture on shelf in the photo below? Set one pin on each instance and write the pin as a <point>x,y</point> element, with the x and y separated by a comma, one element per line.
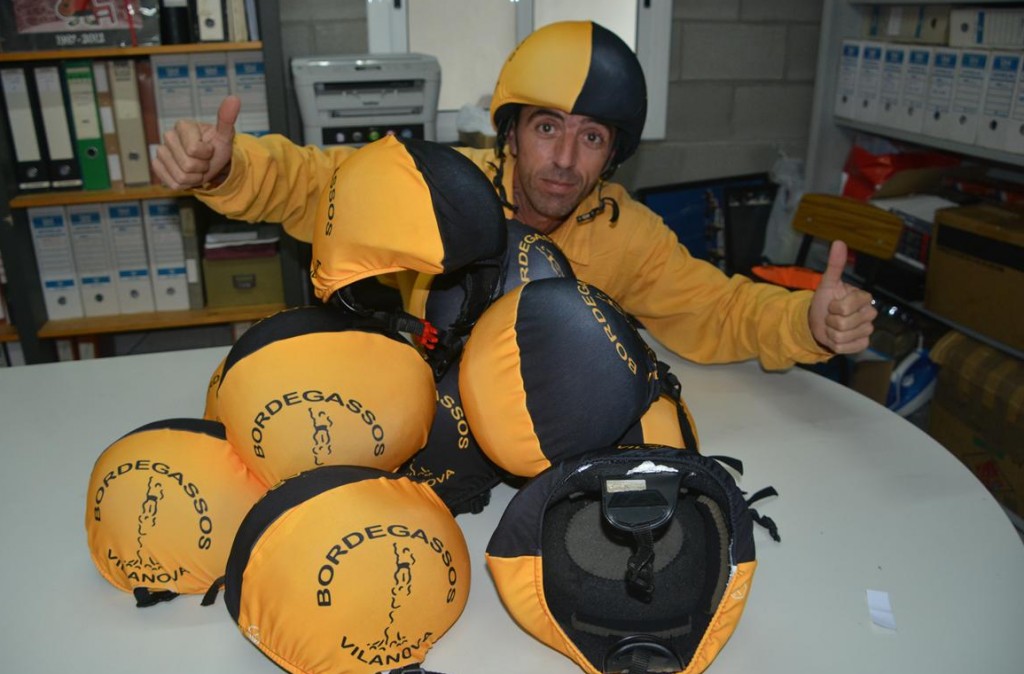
<point>32,25</point>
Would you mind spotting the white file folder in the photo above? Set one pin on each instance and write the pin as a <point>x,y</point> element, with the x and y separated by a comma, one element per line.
<point>211,83</point>
<point>128,241</point>
<point>249,83</point>
<point>174,88</point>
<point>968,95</point>
<point>51,240</point>
<point>94,259</point>
<point>894,71</point>
<point>915,88</point>
<point>938,120</point>
<point>997,107</point>
<point>869,82</point>
<point>166,251</point>
<point>846,80</point>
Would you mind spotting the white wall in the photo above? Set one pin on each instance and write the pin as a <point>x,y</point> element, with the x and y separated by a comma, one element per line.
<point>740,81</point>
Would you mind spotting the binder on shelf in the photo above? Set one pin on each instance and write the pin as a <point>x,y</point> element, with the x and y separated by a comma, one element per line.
<point>26,128</point>
<point>968,95</point>
<point>914,97</point>
<point>166,251</point>
<point>55,260</point>
<point>85,120</point>
<point>987,27</point>
<point>922,24</point>
<point>173,86</point>
<point>94,259</point>
<point>248,81</point>
<point>105,105</point>
<point>128,243</point>
<point>846,81</point>
<point>63,167</point>
<point>128,119</point>
<point>997,107</point>
<point>150,119</point>
<point>210,20</point>
<point>938,118</point>
<point>211,83</point>
<point>193,254</point>
<point>252,18</point>
<point>238,25</point>
<point>1015,130</point>
<point>869,82</point>
<point>175,22</point>
<point>894,71</point>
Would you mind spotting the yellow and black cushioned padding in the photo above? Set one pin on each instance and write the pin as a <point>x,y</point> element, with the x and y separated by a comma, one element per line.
<point>668,421</point>
<point>529,256</point>
<point>578,67</point>
<point>551,370</point>
<point>452,462</point>
<point>625,554</point>
<point>346,569</point>
<point>311,386</point>
<point>163,505</point>
<point>210,411</point>
<point>396,205</point>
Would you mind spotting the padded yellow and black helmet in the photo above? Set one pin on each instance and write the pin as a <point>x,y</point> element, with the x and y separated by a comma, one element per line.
<point>578,67</point>
<point>634,559</point>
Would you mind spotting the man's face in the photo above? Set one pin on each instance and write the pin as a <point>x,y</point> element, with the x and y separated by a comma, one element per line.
<point>559,158</point>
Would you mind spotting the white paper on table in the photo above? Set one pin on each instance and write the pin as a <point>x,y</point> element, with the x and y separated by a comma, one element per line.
<point>880,609</point>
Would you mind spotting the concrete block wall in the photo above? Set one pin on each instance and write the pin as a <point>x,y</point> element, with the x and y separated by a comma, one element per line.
<point>741,79</point>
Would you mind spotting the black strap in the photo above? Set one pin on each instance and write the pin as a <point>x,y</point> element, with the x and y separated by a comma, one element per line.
<point>641,661</point>
<point>671,387</point>
<point>766,522</point>
<point>640,567</point>
<point>730,461</point>
<point>144,598</point>
<point>211,594</point>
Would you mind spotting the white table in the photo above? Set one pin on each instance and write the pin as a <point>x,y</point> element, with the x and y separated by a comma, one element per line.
<point>867,501</point>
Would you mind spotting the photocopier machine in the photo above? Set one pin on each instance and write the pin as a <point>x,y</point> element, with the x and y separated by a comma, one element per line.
<point>356,99</point>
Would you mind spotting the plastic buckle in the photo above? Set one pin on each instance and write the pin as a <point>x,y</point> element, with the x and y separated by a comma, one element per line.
<point>428,338</point>
<point>640,501</point>
<point>661,658</point>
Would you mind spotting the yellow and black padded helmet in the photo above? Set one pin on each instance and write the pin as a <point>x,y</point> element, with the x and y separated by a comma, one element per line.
<point>163,505</point>
<point>452,462</point>
<point>347,570</point>
<point>581,68</point>
<point>415,205</point>
<point>552,370</point>
<point>628,559</point>
<point>314,386</point>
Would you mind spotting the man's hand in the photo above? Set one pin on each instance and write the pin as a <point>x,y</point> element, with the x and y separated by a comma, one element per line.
<point>841,315</point>
<point>194,153</point>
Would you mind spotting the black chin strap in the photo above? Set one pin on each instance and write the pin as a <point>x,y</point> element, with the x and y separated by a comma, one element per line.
<point>145,598</point>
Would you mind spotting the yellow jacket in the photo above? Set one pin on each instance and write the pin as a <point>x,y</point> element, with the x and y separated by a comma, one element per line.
<point>686,304</point>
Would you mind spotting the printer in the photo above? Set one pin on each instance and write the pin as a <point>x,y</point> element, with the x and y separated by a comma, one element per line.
<point>356,99</point>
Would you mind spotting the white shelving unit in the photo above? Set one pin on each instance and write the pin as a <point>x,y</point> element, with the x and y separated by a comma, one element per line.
<point>831,138</point>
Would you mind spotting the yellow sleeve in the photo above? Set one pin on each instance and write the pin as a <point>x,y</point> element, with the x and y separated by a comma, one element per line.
<point>274,180</point>
<point>690,306</point>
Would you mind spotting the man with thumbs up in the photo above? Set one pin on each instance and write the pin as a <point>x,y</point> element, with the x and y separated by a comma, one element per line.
<point>551,168</point>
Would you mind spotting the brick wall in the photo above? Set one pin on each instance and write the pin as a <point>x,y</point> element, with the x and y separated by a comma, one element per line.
<point>741,78</point>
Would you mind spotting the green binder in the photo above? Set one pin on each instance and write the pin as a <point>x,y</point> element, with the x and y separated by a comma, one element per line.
<point>85,122</point>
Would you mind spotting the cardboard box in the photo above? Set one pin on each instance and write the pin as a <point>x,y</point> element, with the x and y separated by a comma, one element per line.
<point>243,281</point>
<point>978,414</point>
<point>976,270</point>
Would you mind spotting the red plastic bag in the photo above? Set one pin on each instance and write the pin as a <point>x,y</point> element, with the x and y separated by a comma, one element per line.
<point>866,171</point>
